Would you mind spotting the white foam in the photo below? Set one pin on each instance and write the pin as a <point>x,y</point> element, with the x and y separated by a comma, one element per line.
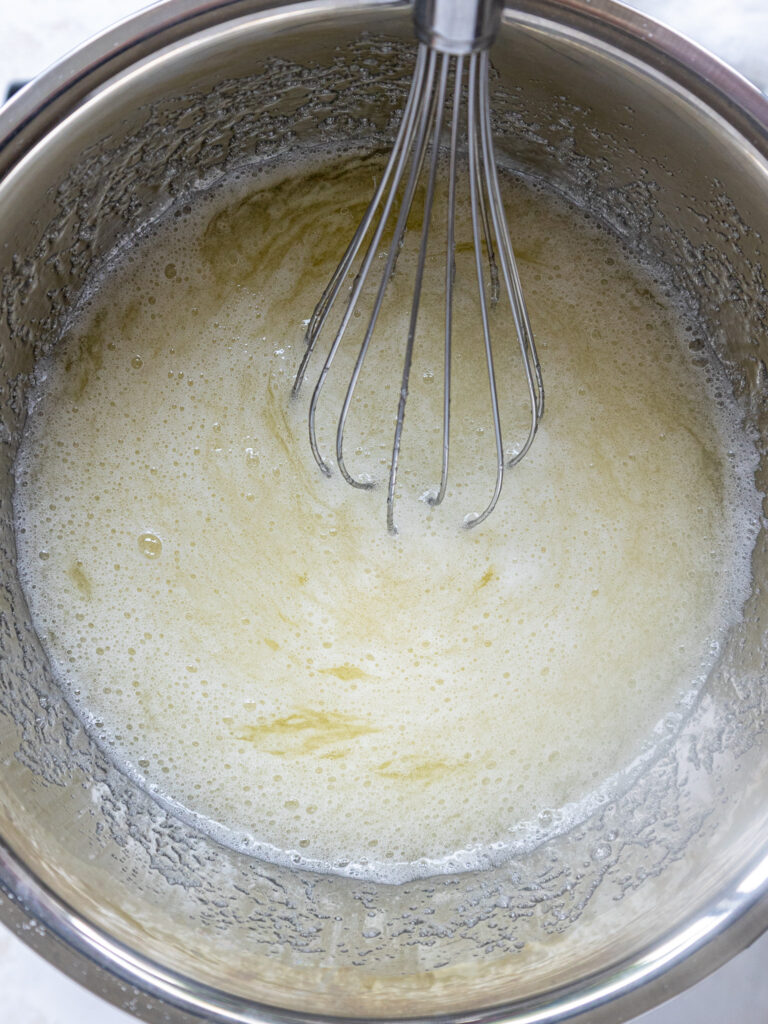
<point>247,640</point>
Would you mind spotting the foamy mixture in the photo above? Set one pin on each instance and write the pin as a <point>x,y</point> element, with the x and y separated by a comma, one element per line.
<point>244,636</point>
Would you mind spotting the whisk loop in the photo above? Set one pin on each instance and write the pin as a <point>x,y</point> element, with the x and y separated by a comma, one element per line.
<point>452,43</point>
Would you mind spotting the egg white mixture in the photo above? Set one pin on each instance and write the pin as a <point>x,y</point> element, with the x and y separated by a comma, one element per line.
<point>245,637</point>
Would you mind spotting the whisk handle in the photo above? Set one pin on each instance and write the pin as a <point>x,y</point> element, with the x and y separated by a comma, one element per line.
<point>457,26</point>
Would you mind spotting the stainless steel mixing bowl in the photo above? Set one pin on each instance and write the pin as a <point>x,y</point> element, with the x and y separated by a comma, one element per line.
<point>658,887</point>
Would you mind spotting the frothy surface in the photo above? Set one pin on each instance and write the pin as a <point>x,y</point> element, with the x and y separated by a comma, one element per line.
<point>243,634</point>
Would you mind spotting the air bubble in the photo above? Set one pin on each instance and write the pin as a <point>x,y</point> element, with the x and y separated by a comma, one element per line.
<point>150,545</point>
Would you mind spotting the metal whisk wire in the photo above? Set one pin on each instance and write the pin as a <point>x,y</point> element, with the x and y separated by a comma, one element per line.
<point>419,135</point>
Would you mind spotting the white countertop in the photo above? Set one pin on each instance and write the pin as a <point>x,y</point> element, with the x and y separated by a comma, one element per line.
<point>37,32</point>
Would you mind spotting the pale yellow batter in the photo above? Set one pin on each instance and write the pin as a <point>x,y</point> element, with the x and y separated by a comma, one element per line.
<point>245,636</point>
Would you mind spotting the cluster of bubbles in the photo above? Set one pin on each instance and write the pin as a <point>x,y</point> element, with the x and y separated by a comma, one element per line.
<point>246,639</point>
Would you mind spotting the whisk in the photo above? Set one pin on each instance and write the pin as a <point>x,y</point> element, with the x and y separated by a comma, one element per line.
<point>454,37</point>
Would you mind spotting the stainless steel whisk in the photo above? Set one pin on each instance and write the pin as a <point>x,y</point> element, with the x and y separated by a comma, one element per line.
<point>453,35</point>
